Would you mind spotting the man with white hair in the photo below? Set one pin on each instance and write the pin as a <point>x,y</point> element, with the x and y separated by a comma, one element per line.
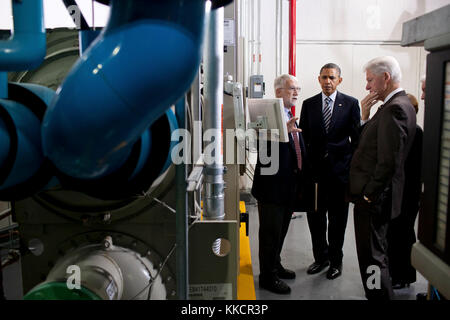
<point>277,193</point>
<point>377,171</point>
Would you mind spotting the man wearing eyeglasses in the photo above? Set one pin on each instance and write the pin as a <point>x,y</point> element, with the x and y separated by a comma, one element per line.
<point>330,122</point>
<point>277,194</point>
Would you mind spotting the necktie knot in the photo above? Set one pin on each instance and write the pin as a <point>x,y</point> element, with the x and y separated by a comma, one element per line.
<point>327,100</point>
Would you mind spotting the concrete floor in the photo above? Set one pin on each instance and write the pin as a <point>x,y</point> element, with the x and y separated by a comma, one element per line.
<point>297,256</point>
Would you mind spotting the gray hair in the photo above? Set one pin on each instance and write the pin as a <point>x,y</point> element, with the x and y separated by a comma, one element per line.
<point>280,81</point>
<point>383,64</point>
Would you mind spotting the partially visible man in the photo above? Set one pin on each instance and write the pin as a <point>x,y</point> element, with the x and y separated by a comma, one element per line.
<point>277,193</point>
<point>330,124</point>
<point>423,86</point>
<point>377,173</point>
<point>401,234</point>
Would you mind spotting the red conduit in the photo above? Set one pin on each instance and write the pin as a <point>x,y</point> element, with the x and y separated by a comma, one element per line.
<point>292,39</point>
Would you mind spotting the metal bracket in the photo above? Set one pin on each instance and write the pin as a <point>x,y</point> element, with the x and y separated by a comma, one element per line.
<point>260,123</point>
<point>195,178</point>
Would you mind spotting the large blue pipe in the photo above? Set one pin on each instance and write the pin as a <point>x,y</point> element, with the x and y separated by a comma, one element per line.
<point>26,47</point>
<point>142,62</point>
<point>23,169</point>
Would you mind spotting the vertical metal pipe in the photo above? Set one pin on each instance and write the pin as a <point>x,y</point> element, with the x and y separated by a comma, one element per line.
<point>213,153</point>
<point>258,33</point>
<point>182,266</point>
<point>292,39</point>
<point>26,47</point>
<point>292,35</point>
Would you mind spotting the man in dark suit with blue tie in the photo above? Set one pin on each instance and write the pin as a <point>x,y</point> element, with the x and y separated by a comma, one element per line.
<point>330,122</point>
<point>277,193</point>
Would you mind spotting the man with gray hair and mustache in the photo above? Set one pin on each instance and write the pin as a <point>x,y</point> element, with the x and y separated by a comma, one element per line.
<point>377,171</point>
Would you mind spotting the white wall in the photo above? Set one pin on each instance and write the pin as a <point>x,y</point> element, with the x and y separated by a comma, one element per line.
<point>56,15</point>
<point>346,32</point>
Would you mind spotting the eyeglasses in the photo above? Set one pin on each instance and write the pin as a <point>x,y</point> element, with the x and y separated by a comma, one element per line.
<point>292,89</point>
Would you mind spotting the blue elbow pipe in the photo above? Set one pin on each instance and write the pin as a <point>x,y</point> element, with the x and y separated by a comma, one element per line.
<point>23,167</point>
<point>147,138</point>
<point>142,62</point>
<point>28,152</point>
<point>149,158</point>
<point>26,47</point>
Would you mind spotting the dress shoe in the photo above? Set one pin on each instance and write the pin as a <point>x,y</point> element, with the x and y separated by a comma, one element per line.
<point>275,285</point>
<point>283,273</point>
<point>334,272</point>
<point>316,267</point>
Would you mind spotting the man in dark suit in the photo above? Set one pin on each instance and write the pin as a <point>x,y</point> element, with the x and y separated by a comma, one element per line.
<point>330,126</point>
<point>401,233</point>
<point>277,193</point>
<point>377,172</point>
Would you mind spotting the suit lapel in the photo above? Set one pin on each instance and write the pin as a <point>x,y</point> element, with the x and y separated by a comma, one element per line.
<point>337,110</point>
<point>318,112</point>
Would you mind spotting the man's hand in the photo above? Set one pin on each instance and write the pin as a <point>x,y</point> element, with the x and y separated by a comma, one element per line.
<point>291,126</point>
<point>367,103</point>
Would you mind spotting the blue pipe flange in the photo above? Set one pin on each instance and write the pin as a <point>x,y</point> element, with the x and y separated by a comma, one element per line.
<point>23,168</point>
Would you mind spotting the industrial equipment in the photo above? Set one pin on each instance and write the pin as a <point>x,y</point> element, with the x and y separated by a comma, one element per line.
<point>102,211</point>
<point>431,254</point>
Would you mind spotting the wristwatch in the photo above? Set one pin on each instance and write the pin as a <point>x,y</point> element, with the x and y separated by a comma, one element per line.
<point>367,199</point>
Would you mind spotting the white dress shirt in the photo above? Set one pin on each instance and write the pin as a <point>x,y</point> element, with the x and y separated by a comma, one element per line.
<point>333,99</point>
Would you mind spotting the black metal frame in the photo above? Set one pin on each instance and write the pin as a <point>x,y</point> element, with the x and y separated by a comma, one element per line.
<point>434,105</point>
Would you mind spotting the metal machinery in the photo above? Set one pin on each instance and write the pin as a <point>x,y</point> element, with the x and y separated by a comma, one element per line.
<point>431,254</point>
<point>103,210</point>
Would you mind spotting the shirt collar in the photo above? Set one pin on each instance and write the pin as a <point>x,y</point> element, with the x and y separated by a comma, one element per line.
<point>390,95</point>
<point>332,96</point>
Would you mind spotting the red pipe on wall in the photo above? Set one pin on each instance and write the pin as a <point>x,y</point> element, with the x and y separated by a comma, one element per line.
<point>292,39</point>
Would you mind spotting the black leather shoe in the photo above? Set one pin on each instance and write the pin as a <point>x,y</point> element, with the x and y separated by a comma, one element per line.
<point>285,273</point>
<point>275,286</point>
<point>316,267</point>
<point>334,272</point>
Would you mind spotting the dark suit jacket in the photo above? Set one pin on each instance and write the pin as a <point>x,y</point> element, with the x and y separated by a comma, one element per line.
<point>413,177</point>
<point>384,143</point>
<point>283,187</point>
<point>342,137</point>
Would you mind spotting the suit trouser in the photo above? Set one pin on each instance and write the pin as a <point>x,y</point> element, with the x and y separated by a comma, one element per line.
<point>371,227</point>
<point>274,222</point>
<point>2,294</point>
<point>332,200</point>
<point>401,237</point>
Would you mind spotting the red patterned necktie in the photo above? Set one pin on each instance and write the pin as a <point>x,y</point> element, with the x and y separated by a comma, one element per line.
<point>298,151</point>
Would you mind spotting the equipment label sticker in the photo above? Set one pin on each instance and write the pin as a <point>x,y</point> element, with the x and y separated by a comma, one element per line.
<point>213,291</point>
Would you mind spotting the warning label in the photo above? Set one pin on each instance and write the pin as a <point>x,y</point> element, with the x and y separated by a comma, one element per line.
<point>213,291</point>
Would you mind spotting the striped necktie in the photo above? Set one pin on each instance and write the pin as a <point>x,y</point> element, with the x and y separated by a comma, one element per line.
<point>298,151</point>
<point>327,113</point>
